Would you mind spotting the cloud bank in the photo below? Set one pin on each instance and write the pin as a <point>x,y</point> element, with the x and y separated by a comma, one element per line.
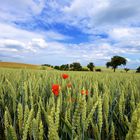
<point>62,31</point>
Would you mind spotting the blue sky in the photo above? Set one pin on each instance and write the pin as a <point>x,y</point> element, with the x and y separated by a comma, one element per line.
<point>65,31</point>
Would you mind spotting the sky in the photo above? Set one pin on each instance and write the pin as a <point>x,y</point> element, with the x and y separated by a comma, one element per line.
<point>64,31</point>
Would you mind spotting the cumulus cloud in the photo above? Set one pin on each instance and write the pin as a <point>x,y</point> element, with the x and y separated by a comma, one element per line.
<point>127,38</point>
<point>12,32</point>
<point>100,12</point>
<point>19,42</point>
<point>12,37</point>
<point>125,33</point>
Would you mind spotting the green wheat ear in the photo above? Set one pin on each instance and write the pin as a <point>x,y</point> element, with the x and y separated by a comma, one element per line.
<point>11,133</point>
<point>100,117</point>
<point>26,113</point>
<point>8,115</point>
<point>52,132</point>
<point>38,117</point>
<point>137,133</point>
<point>76,117</point>
<point>121,105</point>
<point>41,131</point>
<point>20,117</point>
<point>27,125</point>
<point>84,111</point>
<point>106,103</point>
<point>25,86</point>
<point>6,122</point>
<point>35,129</point>
<point>57,113</point>
<point>112,131</point>
<point>134,128</point>
<point>90,116</point>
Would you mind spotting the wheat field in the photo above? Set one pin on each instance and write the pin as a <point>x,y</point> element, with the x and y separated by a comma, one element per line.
<point>89,106</point>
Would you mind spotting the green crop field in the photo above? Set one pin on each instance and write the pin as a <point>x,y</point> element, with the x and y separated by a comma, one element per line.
<point>44,105</point>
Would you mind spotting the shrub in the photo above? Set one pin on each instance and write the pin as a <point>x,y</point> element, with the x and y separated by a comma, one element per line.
<point>57,67</point>
<point>126,69</point>
<point>76,66</point>
<point>43,68</point>
<point>98,70</point>
<point>91,66</point>
<point>138,70</point>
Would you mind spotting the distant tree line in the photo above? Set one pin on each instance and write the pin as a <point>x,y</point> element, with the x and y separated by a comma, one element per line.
<point>48,65</point>
<point>76,66</point>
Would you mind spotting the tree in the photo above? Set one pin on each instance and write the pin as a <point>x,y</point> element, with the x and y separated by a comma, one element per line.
<point>47,65</point>
<point>64,67</point>
<point>108,64</point>
<point>126,69</point>
<point>76,66</point>
<point>90,66</point>
<point>57,67</point>
<point>116,61</point>
<point>138,70</point>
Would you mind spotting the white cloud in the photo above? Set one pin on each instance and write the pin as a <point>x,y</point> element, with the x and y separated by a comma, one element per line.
<point>12,32</point>
<point>125,33</point>
<point>88,8</point>
<point>6,42</point>
<point>39,42</point>
<point>19,39</point>
<point>127,39</point>
<point>121,33</point>
<point>89,15</point>
<point>16,46</point>
<point>27,39</point>
<point>20,9</point>
<point>22,43</point>
<point>53,35</point>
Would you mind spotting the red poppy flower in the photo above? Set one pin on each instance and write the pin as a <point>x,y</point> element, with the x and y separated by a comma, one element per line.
<point>86,92</point>
<point>82,92</point>
<point>65,76</point>
<point>69,85</point>
<point>55,89</point>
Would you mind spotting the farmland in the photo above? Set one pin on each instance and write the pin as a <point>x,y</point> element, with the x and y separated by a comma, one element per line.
<point>18,65</point>
<point>98,106</point>
<point>14,65</point>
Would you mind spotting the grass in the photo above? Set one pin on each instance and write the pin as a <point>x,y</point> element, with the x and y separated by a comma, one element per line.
<point>110,70</point>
